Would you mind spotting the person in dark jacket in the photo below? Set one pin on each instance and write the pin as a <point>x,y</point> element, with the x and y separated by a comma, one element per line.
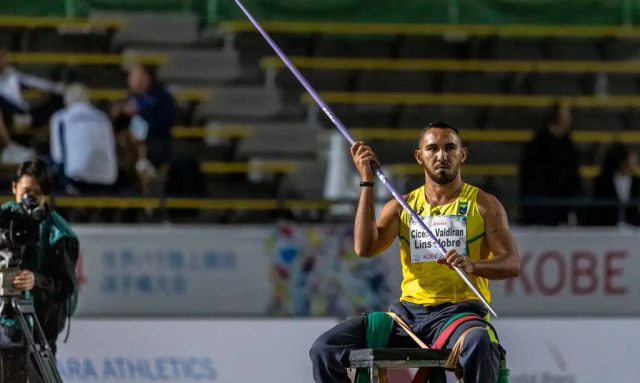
<point>549,172</point>
<point>48,268</point>
<point>616,188</point>
<point>149,113</point>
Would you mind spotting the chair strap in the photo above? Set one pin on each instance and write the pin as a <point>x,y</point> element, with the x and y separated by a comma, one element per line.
<point>407,329</point>
<point>454,357</point>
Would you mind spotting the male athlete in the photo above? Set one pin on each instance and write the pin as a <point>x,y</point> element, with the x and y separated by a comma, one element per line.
<point>469,222</point>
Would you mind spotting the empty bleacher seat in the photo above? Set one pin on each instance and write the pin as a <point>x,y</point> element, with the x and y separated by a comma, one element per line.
<point>282,140</point>
<point>305,183</point>
<point>565,84</point>
<point>153,29</point>
<point>406,81</point>
<point>396,151</point>
<point>627,48</point>
<point>509,48</point>
<point>516,118</point>
<point>97,76</point>
<point>252,103</point>
<point>194,66</point>
<point>320,79</point>
<point>433,47</point>
<point>573,49</point>
<point>475,82</point>
<point>59,40</point>
<point>608,119</point>
<point>42,70</point>
<point>376,116</point>
<point>633,119</point>
<point>494,152</point>
<point>463,117</point>
<point>251,46</point>
<point>9,37</point>
<point>355,46</point>
<point>622,83</point>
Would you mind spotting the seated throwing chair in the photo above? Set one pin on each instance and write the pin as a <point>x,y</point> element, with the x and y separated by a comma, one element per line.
<point>372,363</point>
<point>378,360</point>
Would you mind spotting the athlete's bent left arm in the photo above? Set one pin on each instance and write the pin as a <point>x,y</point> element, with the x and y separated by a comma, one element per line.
<point>505,262</point>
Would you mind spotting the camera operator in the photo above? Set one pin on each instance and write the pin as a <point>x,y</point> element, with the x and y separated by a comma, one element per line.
<point>47,272</point>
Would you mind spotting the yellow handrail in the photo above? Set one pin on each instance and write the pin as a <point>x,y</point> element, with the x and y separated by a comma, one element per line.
<point>495,135</point>
<point>184,203</point>
<point>403,134</point>
<point>246,167</point>
<point>224,131</point>
<point>86,58</point>
<point>523,30</point>
<point>119,94</point>
<point>565,66</point>
<point>53,22</point>
<point>496,170</point>
<point>472,99</point>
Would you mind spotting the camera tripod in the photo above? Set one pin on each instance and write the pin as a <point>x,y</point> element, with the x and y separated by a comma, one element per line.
<point>37,346</point>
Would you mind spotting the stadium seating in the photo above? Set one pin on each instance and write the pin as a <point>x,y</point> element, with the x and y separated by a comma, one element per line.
<point>241,109</point>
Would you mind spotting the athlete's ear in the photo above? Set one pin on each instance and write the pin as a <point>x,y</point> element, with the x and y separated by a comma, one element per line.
<point>418,157</point>
<point>465,154</point>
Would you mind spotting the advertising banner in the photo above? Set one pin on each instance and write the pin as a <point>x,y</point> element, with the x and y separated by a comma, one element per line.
<point>184,351</point>
<point>577,272</point>
<point>169,271</point>
<point>225,270</point>
<point>276,351</point>
<point>571,350</point>
<point>311,270</point>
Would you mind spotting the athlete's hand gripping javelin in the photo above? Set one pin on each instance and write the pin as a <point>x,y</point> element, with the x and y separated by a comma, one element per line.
<point>363,156</point>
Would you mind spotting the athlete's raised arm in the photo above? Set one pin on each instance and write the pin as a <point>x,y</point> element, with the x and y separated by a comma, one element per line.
<point>371,237</point>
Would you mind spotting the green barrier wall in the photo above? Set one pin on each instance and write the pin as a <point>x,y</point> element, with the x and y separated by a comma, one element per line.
<point>577,12</point>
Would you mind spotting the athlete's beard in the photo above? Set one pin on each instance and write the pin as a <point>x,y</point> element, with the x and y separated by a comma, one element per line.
<point>442,176</point>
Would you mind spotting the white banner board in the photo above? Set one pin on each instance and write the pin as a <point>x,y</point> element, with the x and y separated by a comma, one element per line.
<point>276,351</point>
<point>184,351</point>
<point>577,272</point>
<point>169,271</point>
<point>307,270</point>
<point>571,350</point>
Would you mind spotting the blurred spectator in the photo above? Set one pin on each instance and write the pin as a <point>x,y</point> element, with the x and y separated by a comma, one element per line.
<point>12,103</point>
<point>549,172</point>
<point>12,152</point>
<point>149,113</point>
<point>83,145</point>
<point>617,184</point>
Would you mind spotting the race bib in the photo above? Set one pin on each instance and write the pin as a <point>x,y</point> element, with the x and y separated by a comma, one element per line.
<point>450,230</point>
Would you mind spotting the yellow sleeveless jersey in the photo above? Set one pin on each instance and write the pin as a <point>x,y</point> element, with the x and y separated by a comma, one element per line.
<point>457,225</point>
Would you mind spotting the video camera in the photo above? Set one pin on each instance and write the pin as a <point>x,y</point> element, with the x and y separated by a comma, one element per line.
<point>19,228</point>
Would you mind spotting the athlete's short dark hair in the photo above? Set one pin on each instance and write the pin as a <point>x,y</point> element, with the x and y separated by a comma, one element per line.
<point>437,125</point>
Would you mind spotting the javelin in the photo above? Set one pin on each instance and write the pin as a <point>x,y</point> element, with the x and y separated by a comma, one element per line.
<point>376,168</point>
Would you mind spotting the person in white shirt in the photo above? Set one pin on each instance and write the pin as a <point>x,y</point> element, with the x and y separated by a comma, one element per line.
<point>12,80</point>
<point>12,103</point>
<point>83,146</point>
